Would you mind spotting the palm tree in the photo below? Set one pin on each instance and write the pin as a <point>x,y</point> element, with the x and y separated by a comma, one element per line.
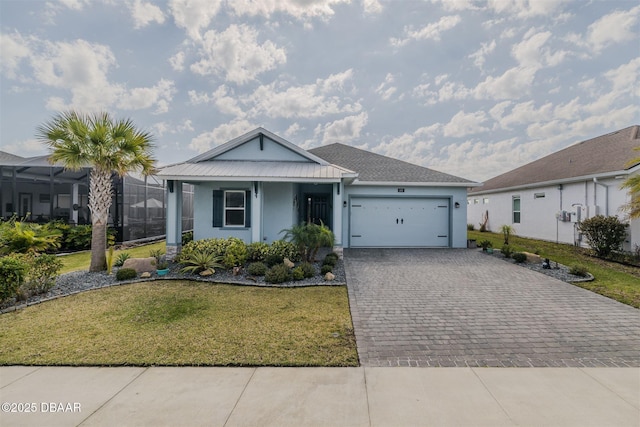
<point>107,146</point>
<point>633,184</point>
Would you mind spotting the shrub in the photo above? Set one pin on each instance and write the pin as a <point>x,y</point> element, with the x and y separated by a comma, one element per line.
<point>41,274</point>
<point>278,274</point>
<point>22,237</point>
<point>78,237</point>
<point>506,251</point>
<point>519,257</point>
<point>470,227</point>
<point>121,258</point>
<point>329,260</point>
<point>298,273</point>
<point>199,261</point>
<point>12,275</point>
<point>309,238</point>
<point>235,253</point>
<point>284,250</point>
<point>326,269</point>
<point>257,268</point>
<point>578,270</point>
<point>273,259</point>
<point>257,251</point>
<point>308,269</point>
<point>604,234</point>
<point>187,237</point>
<point>507,231</point>
<point>126,274</point>
<point>484,244</point>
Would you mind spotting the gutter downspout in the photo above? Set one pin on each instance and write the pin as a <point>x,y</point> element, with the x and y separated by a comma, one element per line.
<point>606,195</point>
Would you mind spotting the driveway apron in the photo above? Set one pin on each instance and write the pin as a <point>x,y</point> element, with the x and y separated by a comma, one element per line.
<point>459,307</point>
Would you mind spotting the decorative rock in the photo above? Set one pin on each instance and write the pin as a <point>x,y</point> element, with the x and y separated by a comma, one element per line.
<point>207,272</point>
<point>288,263</point>
<point>140,265</point>
<point>533,258</point>
<point>145,275</point>
<point>329,276</point>
<point>237,271</point>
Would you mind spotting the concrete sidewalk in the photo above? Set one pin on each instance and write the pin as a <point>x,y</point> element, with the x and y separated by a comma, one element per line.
<point>158,396</point>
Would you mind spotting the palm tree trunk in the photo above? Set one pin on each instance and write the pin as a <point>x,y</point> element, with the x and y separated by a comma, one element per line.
<point>100,190</point>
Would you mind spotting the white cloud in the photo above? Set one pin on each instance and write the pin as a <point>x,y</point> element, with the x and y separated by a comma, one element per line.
<point>293,130</point>
<point>480,56</point>
<point>237,55</point>
<point>30,147</point>
<point>299,9</point>
<point>615,27</point>
<point>308,101</point>
<point>221,134</point>
<point>430,32</point>
<point>512,84</point>
<point>227,104</point>
<point>625,77</point>
<point>13,49</point>
<point>177,61</point>
<point>386,88</point>
<point>146,97</point>
<point>144,13</point>
<point>343,130</point>
<point>372,6</point>
<point>528,8</point>
<point>415,147</point>
<point>194,15</point>
<point>463,124</point>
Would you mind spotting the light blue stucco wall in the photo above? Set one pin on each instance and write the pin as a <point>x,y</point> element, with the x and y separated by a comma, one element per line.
<point>271,151</point>
<point>278,210</point>
<point>455,194</point>
<point>203,211</point>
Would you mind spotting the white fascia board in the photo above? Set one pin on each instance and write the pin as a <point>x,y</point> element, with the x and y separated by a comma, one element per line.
<point>417,184</point>
<point>582,178</point>
<point>247,179</point>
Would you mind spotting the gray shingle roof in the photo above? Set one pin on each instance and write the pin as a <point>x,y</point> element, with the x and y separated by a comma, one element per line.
<point>372,167</point>
<point>600,155</point>
<point>8,159</point>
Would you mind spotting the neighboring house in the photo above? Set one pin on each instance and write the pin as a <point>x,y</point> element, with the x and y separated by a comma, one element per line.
<point>547,198</point>
<point>34,189</point>
<point>258,184</point>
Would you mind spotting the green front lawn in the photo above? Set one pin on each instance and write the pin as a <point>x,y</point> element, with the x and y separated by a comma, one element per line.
<point>616,281</point>
<point>81,260</point>
<point>184,323</point>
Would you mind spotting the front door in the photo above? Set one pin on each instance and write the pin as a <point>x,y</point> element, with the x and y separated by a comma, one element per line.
<point>318,209</point>
<point>25,204</point>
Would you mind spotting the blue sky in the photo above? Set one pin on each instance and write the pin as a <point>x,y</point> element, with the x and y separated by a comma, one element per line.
<point>471,88</point>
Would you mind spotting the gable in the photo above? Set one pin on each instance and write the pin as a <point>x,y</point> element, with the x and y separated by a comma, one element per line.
<point>262,148</point>
<point>258,145</point>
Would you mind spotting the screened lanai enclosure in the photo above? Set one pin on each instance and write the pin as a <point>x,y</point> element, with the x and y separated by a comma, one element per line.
<point>34,190</point>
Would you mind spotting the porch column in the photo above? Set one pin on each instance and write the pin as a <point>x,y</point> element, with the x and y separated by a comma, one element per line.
<point>338,192</point>
<point>256,211</point>
<point>174,218</point>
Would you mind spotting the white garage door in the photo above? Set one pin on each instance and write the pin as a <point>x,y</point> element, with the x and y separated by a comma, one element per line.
<point>398,222</point>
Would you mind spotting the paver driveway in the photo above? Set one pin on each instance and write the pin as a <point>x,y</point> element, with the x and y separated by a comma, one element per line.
<point>459,307</point>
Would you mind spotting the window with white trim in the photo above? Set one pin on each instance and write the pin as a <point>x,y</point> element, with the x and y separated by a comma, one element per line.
<point>234,212</point>
<point>516,209</point>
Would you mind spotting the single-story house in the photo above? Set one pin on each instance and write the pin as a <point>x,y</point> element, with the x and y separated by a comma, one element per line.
<point>258,184</point>
<point>547,198</point>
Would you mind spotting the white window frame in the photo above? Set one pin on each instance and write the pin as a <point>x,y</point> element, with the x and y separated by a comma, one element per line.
<point>234,208</point>
<point>514,211</point>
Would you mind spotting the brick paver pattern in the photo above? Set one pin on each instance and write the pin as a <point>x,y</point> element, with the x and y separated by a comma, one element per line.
<point>459,307</point>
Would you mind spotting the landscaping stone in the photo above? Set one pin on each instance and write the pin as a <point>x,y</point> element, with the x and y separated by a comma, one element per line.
<point>140,265</point>
<point>207,272</point>
<point>288,263</point>
<point>533,258</point>
<point>145,275</point>
<point>329,276</point>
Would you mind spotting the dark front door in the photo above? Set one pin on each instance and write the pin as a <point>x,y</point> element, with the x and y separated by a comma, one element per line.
<point>318,209</point>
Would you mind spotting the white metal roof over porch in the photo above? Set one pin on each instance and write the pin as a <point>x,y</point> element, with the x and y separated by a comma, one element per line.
<point>255,171</point>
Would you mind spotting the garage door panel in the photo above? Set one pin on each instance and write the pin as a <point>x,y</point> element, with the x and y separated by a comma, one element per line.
<point>399,222</point>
